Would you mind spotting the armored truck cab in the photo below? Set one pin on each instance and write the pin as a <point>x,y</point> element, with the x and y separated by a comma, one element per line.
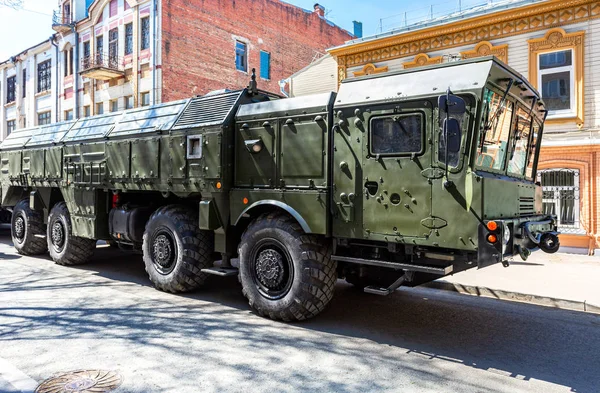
<point>398,179</point>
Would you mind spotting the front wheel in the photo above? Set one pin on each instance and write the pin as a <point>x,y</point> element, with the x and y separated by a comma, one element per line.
<point>64,248</point>
<point>285,273</point>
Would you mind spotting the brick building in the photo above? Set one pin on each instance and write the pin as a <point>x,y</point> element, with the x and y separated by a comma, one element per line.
<point>553,43</point>
<point>112,55</point>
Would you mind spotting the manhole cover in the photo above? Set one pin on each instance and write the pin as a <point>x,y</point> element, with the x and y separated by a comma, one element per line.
<point>85,381</point>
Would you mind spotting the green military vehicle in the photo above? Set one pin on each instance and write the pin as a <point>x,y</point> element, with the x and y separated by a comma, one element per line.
<point>398,179</point>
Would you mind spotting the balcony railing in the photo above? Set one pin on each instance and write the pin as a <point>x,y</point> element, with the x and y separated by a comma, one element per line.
<point>102,66</point>
<point>61,22</point>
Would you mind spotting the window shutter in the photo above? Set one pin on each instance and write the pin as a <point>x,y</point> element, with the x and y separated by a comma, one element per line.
<point>265,65</point>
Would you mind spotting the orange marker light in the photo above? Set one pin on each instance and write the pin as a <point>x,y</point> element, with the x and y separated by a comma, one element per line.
<point>492,225</point>
<point>219,185</point>
<point>245,200</point>
<point>492,238</point>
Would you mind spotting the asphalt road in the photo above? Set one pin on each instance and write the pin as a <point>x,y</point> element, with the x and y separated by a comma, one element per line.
<point>105,315</point>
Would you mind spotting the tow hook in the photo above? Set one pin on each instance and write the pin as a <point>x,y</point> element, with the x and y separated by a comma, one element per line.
<point>505,263</point>
<point>524,252</point>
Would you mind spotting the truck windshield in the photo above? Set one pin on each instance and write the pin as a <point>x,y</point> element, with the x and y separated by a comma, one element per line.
<point>493,144</point>
<point>520,142</point>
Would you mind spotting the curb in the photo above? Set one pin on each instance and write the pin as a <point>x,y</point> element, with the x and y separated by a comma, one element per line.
<point>545,301</point>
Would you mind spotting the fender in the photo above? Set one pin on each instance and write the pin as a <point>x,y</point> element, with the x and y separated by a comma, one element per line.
<point>281,205</point>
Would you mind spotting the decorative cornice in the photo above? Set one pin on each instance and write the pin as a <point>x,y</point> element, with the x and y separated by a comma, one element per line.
<point>535,17</point>
<point>371,69</point>
<point>485,48</point>
<point>422,59</point>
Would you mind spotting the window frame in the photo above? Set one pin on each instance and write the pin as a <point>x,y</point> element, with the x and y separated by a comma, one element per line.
<point>44,76</point>
<point>142,95</point>
<point>576,227</point>
<point>245,56</point>
<point>557,40</point>
<point>561,113</point>
<point>46,116</point>
<point>11,126</point>
<point>145,33</point>
<point>11,89</point>
<point>99,105</point>
<point>406,113</point>
<point>128,38</point>
<point>67,113</point>
<point>24,83</point>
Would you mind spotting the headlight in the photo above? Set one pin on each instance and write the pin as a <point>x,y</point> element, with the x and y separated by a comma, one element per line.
<point>506,235</point>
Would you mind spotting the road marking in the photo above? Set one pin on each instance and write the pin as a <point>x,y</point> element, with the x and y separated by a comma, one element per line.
<point>17,378</point>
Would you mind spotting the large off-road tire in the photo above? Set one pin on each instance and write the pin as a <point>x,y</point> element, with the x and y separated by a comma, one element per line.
<point>64,248</point>
<point>285,273</point>
<point>176,250</point>
<point>28,230</point>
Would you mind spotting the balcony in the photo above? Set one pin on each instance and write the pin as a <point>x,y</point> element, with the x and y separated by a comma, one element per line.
<point>62,22</point>
<point>102,66</point>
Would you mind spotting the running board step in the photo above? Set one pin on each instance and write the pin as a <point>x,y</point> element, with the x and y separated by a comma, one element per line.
<point>442,271</point>
<point>377,291</point>
<point>221,271</point>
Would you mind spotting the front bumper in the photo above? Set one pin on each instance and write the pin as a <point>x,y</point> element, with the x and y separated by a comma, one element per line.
<point>518,236</point>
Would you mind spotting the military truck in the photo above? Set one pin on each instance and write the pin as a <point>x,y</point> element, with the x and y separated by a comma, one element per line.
<point>398,179</point>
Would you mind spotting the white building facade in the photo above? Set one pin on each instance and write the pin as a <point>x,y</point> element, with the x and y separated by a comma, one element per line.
<point>102,58</point>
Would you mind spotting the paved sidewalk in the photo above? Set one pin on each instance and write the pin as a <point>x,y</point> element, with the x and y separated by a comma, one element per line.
<point>567,281</point>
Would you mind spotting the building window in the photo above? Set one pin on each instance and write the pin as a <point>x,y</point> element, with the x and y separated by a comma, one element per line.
<point>114,105</point>
<point>113,48</point>
<point>241,56</point>
<point>556,79</point>
<point>129,102</point>
<point>127,6</point>
<point>145,33</point>
<point>128,38</point>
<point>10,126</point>
<point>561,197</point>
<point>11,86</point>
<point>43,118</point>
<point>66,17</point>
<point>69,115</point>
<point>68,55</point>
<point>86,111</point>
<point>100,108</point>
<point>44,76</point>
<point>113,8</point>
<point>99,48</point>
<point>265,65</point>
<point>145,99</point>
<point>556,69</point>
<point>24,83</point>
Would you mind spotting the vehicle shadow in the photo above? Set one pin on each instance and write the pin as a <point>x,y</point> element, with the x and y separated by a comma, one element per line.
<point>518,341</point>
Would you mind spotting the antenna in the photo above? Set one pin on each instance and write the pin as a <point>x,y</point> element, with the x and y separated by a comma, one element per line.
<point>252,87</point>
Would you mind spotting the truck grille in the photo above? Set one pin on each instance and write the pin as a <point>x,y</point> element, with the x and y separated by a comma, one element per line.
<point>526,206</point>
<point>208,110</point>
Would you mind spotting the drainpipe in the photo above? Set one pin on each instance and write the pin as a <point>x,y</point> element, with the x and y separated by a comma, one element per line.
<point>52,37</point>
<point>154,36</point>
<point>76,74</point>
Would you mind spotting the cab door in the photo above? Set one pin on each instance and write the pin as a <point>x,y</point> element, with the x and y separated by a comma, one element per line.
<point>397,157</point>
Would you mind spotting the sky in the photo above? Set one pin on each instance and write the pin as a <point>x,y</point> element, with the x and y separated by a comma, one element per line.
<point>31,25</point>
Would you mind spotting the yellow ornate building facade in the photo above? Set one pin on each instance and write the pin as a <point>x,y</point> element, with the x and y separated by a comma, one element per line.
<point>554,44</point>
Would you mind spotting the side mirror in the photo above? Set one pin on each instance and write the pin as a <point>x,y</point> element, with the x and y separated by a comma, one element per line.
<point>455,105</point>
<point>451,129</point>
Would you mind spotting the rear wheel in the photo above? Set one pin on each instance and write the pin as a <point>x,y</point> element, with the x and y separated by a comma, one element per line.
<point>27,230</point>
<point>176,250</point>
<point>64,248</point>
<point>285,273</point>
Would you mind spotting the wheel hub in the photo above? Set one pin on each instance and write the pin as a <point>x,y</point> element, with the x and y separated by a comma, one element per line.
<point>163,253</point>
<point>58,234</point>
<point>19,228</point>
<point>270,269</point>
